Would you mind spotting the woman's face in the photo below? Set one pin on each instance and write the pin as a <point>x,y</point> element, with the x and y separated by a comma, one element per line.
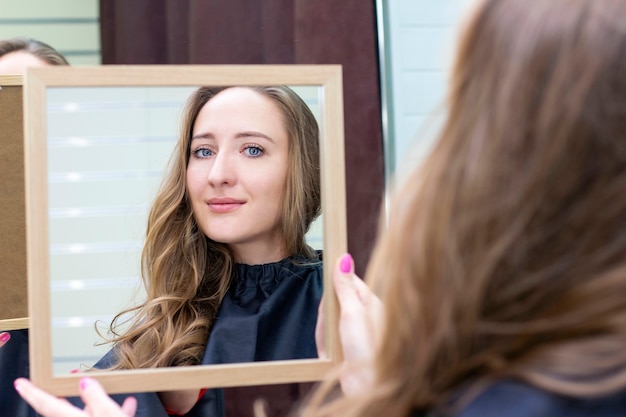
<point>237,173</point>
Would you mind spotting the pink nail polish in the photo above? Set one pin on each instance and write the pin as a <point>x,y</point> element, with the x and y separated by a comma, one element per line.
<point>345,265</point>
<point>17,386</point>
<point>4,337</point>
<point>85,382</point>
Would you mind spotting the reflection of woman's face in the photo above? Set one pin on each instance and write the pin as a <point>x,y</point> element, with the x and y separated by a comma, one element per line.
<point>237,173</point>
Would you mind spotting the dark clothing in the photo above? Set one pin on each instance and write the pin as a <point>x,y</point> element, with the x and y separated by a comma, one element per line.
<point>511,398</point>
<point>14,364</point>
<point>274,305</point>
<point>269,313</point>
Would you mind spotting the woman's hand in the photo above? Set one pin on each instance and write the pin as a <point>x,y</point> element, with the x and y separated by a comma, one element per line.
<point>97,402</point>
<point>360,319</point>
<point>4,338</point>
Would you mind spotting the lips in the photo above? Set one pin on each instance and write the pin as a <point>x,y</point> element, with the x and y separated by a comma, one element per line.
<point>224,204</point>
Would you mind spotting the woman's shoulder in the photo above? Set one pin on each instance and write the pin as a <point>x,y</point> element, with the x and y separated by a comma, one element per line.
<point>511,398</point>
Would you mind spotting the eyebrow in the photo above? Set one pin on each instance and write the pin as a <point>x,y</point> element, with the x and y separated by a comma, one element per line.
<point>240,135</point>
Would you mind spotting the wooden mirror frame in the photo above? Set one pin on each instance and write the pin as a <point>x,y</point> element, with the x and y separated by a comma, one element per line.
<point>36,82</point>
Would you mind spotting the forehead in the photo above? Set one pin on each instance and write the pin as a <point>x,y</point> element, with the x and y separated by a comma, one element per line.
<point>240,112</point>
<point>243,107</point>
<point>17,62</point>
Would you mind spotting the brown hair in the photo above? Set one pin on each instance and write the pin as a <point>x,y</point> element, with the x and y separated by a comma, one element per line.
<point>505,251</point>
<point>34,47</point>
<point>185,273</point>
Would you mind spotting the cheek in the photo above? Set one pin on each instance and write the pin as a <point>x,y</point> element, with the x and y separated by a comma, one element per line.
<point>278,185</point>
<point>192,180</point>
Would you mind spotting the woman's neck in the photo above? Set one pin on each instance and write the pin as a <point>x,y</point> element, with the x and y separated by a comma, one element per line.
<point>258,254</point>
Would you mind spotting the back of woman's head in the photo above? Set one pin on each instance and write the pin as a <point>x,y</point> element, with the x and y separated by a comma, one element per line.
<point>505,251</point>
<point>41,50</point>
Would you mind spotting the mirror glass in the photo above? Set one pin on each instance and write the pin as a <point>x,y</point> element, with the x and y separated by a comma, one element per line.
<point>97,141</point>
<point>107,149</point>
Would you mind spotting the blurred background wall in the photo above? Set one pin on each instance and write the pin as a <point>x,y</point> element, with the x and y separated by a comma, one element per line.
<point>70,26</point>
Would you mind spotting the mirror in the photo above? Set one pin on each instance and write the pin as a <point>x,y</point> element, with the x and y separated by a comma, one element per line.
<point>102,179</point>
<point>97,142</point>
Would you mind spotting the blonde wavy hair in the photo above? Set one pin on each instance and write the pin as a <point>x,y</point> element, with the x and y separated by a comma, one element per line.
<point>185,273</point>
<point>505,253</point>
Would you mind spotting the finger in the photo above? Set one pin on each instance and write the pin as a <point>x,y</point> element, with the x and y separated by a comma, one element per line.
<point>320,331</point>
<point>362,290</point>
<point>355,317</point>
<point>365,294</point>
<point>4,337</point>
<point>45,404</point>
<point>97,400</point>
<point>129,406</point>
<point>344,285</point>
<point>372,304</point>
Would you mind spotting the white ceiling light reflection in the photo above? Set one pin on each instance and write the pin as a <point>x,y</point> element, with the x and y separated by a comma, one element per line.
<point>76,248</point>
<point>70,107</point>
<point>76,284</point>
<point>74,176</point>
<point>77,141</point>
<point>76,322</point>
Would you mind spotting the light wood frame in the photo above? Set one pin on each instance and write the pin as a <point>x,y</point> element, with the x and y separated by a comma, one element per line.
<point>36,82</point>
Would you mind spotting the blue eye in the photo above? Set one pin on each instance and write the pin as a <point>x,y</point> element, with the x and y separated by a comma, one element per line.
<point>253,151</point>
<point>203,153</point>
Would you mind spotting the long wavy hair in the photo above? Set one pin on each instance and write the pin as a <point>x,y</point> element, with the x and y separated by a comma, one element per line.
<point>185,273</point>
<point>505,253</point>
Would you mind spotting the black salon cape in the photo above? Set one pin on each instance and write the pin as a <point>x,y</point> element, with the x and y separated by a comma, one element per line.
<point>512,398</point>
<point>268,313</point>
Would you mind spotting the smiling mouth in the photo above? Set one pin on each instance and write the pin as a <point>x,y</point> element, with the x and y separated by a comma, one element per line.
<point>219,205</point>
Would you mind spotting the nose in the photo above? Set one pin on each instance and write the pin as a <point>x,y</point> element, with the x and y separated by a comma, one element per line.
<point>222,170</point>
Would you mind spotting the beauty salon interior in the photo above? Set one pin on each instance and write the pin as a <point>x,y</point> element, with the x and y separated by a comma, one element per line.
<point>110,151</point>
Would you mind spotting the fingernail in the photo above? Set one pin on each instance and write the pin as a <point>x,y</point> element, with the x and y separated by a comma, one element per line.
<point>345,265</point>
<point>85,382</point>
<point>17,385</point>
<point>4,337</point>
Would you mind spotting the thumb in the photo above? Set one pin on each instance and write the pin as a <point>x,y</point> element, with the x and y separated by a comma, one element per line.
<point>343,281</point>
